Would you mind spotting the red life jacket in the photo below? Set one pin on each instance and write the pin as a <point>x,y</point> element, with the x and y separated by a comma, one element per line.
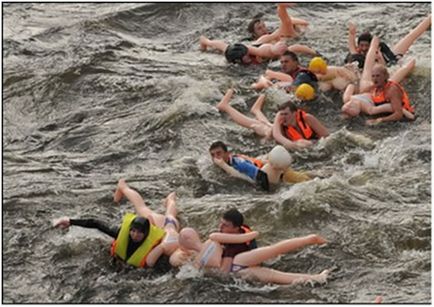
<point>379,97</point>
<point>306,131</point>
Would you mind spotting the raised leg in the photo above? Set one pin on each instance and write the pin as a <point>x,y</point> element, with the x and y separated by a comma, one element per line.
<point>349,91</point>
<point>257,256</point>
<point>303,49</point>
<point>404,44</point>
<point>267,51</point>
<point>267,275</point>
<point>286,28</point>
<point>257,110</point>
<point>262,83</point>
<point>139,204</point>
<point>403,71</point>
<point>366,79</point>
<point>215,44</point>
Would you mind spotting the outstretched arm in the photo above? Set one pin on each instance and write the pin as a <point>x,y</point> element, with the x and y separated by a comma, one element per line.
<point>231,171</point>
<point>230,238</point>
<point>65,222</point>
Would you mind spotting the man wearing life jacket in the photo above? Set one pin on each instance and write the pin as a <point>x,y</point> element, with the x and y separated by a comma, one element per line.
<point>388,97</point>
<point>134,239</point>
<point>232,222</point>
<point>239,166</point>
<point>295,129</point>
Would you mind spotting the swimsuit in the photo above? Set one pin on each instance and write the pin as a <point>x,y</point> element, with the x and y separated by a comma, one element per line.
<point>168,220</point>
<point>207,254</point>
<point>236,267</point>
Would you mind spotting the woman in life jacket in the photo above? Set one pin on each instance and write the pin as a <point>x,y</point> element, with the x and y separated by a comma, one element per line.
<point>142,237</point>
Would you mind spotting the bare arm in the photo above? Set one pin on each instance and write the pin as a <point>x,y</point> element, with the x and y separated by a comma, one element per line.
<point>352,38</point>
<point>231,171</point>
<point>393,95</point>
<point>230,238</point>
<point>317,126</point>
<point>153,256</point>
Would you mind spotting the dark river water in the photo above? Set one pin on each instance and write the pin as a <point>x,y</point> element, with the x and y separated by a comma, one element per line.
<point>96,92</point>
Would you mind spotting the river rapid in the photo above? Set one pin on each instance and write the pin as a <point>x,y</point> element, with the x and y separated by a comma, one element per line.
<point>94,92</point>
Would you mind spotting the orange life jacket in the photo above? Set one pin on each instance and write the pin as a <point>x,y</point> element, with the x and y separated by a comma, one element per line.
<point>252,244</point>
<point>255,161</point>
<point>306,131</point>
<point>379,97</point>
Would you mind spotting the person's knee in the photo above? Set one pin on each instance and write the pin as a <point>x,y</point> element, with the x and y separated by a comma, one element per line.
<point>351,109</point>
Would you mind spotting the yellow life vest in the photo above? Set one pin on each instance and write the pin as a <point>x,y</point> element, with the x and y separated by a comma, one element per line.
<point>138,258</point>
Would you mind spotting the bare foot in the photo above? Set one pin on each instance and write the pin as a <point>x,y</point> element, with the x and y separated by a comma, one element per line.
<point>321,277</point>
<point>262,83</point>
<point>117,196</point>
<point>318,240</point>
<point>170,198</point>
<point>202,42</point>
<point>221,106</point>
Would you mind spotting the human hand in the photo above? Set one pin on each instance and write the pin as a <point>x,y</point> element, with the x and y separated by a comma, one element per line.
<point>62,223</point>
<point>373,122</point>
<point>218,161</point>
<point>302,144</point>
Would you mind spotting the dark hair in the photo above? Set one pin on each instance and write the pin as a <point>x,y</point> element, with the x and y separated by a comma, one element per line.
<point>364,37</point>
<point>251,26</point>
<point>289,104</point>
<point>141,224</point>
<point>218,144</point>
<point>234,216</point>
<point>291,54</point>
<point>235,53</point>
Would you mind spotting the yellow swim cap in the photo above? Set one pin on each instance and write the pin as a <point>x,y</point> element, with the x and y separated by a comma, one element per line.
<point>318,66</point>
<point>305,92</point>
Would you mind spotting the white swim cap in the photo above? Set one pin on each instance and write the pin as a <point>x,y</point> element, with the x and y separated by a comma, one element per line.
<point>279,157</point>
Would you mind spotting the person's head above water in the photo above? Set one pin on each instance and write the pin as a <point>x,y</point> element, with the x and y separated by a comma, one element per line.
<point>139,229</point>
<point>288,62</point>
<point>363,42</point>
<point>237,53</point>
<point>231,221</point>
<point>257,28</point>
<point>287,112</point>
<point>219,150</point>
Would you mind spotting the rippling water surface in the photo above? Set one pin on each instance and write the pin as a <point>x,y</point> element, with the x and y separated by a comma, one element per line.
<point>96,92</point>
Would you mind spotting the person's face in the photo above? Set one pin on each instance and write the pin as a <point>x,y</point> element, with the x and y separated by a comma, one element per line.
<point>285,116</point>
<point>227,227</point>
<point>219,153</point>
<point>364,47</point>
<point>287,64</point>
<point>136,235</point>
<point>379,77</point>
<point>260,29</point>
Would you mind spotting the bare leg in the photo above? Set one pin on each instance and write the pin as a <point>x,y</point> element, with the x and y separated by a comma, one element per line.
<point>139,204</point>
<point>351,109</point>
<point>258,255</point>
<point>240,118</point>
<point>267,275</point>
<point>171,225</point>
<point>215,44</point>
<point>262,83</point>
<point>303,49</point>
<point>267,51</point>
<point>349,91</point>
<point>257,110</point>
<point>404,44</point>
<point>403,72</point>
<point>286,28</point>
<point>299,22</point>
<point>366,79</point>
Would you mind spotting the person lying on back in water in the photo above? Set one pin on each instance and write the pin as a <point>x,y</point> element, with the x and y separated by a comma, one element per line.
<point>209,255</point>
<point>244,165</point>
<point>141,238</point>
<point>385,55</point>
<point>379,93</point>
<point>244,54</point>
<point>287,28</point>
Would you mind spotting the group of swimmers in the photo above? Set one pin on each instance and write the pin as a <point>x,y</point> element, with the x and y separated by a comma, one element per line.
<point>143,237</point>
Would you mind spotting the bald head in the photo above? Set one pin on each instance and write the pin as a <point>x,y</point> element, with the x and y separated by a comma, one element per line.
<point>380,75</point>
